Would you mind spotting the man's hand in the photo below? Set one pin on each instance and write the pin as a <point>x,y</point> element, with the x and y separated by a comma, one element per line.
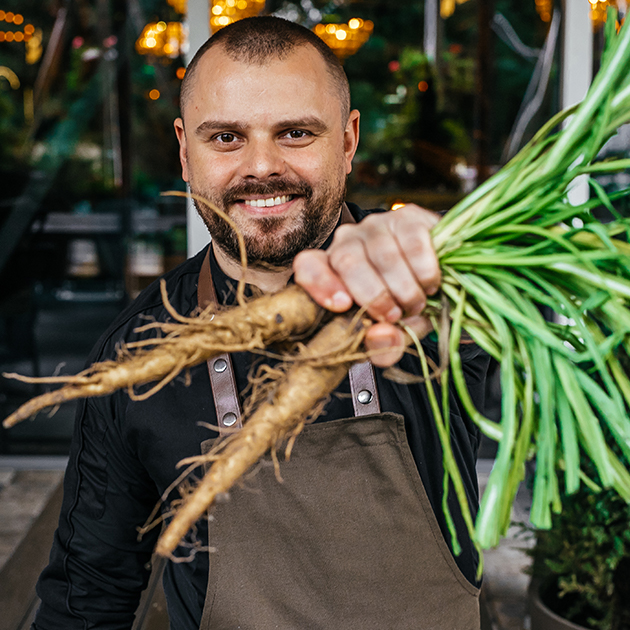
<point>386,263</point>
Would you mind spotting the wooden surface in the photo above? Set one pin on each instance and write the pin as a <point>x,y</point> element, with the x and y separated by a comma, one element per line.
<point>18,600</point>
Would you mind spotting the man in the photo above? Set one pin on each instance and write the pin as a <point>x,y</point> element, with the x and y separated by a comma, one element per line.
<point>355,536</point>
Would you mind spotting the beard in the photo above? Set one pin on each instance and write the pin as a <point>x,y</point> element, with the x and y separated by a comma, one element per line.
<point>274,241</point>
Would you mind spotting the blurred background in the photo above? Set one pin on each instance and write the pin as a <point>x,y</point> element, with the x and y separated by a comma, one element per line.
<point>449,90</point>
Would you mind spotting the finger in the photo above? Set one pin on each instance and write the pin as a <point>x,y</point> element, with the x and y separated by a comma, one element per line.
<point>390,260</point>
<point>349,259</point>
<point>414,240</point>
<point>315,276</point>
<point>420,325</point>
<point>385,344</point>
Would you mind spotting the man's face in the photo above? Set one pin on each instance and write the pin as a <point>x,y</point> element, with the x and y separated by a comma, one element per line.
<point>267,144</point>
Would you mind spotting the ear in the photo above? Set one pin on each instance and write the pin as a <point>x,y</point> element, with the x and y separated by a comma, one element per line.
<point>351,138</point>
<point>181,138</point>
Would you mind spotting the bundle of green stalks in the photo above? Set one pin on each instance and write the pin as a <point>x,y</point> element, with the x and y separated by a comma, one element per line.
<point>508,252</point>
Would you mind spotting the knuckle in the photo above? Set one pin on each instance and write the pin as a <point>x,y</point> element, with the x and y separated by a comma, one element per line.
<point>343,233</point>
<point>412,244</point>
<point>373,218</point>
<point>307,263</point>
<point>419,216</point>
<point>385,254</point>
<point>343,260</point>
<point>375,224</point>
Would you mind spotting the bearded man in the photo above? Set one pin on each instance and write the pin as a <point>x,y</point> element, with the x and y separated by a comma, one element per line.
<point>355,536</point>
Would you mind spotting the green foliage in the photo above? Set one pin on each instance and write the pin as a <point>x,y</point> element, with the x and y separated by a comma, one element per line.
<point>584,560</point>
<point>507,253</point>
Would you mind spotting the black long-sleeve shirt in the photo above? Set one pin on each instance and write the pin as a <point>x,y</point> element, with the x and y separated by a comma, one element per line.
<point>124,456</point>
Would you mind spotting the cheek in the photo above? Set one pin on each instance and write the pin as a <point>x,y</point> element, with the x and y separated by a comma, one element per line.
<point>320,167</point>
<point>210,171</point>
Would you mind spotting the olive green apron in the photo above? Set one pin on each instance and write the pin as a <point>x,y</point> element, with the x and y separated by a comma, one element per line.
<point>347,541</point>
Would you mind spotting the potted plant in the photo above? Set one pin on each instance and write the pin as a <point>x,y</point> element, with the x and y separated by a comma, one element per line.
<point>581,565</point>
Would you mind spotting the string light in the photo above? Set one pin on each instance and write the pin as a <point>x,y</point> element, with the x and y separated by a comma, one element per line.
<point>29,35</point>
<point>33,39</point>
<point>599,11</point>
<point>224,12</point>
<point>544,9</point>
<point>345,39</point>
<point>162,39</point>
<point>447,7</point>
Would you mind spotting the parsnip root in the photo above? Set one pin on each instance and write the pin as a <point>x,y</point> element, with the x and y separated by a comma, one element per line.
<point>253,326</point>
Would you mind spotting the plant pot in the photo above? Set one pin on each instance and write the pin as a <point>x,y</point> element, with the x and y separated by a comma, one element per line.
<point>542,618</point>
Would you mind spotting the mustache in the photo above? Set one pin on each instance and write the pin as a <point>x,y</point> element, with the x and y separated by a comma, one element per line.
<point>274,188</point>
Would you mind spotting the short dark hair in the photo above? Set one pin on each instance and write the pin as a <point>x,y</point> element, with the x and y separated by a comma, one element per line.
<point>256,40</point>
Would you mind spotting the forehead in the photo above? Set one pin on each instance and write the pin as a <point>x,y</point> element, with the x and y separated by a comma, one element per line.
<point>294,87</point>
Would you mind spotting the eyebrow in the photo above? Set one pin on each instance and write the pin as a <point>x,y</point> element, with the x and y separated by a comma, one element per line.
<point>208,126</point>
<point>313,123</point>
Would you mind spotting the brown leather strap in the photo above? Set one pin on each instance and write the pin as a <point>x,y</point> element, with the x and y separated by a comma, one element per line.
<point>363,387</point>
<point>220,368</point>
<point>365,398</point>
<point>346,215</point>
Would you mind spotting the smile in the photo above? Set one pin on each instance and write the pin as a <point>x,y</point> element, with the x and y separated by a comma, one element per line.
<point>268,202</point>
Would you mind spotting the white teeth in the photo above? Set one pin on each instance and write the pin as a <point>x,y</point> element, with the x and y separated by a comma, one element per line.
<point>267,203</point>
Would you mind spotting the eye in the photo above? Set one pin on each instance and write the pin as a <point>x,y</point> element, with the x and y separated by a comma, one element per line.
<point>226,141</point>
<point>225,138</point>
<point>296,138</point>
<point>297,134</point>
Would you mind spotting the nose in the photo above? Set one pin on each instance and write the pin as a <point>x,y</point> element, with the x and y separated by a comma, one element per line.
<point>262,159</point>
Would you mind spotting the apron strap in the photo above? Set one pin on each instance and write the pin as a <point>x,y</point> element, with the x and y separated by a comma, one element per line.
<point>220,368</point>
<point>365,400</point>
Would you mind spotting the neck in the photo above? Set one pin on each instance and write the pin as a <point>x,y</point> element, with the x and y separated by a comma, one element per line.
<point>267,280</point>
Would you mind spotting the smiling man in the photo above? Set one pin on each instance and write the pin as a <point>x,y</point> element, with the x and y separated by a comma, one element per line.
<point>355,536</point>
<point>280,176</point>
<point>264,142</point>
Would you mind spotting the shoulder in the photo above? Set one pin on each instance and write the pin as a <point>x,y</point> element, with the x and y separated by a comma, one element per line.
<point>181,288</point>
